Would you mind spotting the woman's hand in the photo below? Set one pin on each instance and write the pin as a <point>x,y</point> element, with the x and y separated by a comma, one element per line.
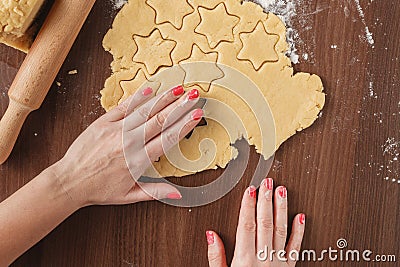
<point>262,231</point>
<point>95,171</point>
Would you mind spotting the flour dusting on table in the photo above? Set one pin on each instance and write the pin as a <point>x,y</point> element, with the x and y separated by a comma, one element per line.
<point>391,151</point>
<point>368,35</point>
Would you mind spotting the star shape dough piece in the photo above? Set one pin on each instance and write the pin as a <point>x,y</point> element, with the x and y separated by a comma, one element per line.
<point>154,46</point>
<point>216,25</point>
<point>199,73</point>
<point>170,11</point>
<point>252,41</point>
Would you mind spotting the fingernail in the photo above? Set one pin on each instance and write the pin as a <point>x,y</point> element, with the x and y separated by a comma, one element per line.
<point>174,196</point>
<point>269,183</point>
<point>282,191</point>
<point>210,237</point>
<point>197,114</point>
<point>177,91</point>
<point>253,191</point>
<point>193,94</point>
<point>302,218</point>
<point>147,91</point>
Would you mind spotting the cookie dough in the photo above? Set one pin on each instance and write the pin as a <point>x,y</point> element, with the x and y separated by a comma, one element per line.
<point>209,21</point>
<point>149,36</point>
<point>16,18</point>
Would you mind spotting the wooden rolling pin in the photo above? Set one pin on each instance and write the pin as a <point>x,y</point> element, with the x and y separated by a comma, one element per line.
<point>40,67</point>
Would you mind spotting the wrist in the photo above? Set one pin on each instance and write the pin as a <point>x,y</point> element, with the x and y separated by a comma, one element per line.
<point>67,185</point>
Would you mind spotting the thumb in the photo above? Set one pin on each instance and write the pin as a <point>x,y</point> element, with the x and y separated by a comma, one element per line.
<point>216,250</point>
<point>152,191</point>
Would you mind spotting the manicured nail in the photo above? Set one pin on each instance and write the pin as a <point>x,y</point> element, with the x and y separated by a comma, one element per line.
<point>174,196</point>
<point>282,192</point>
<point>302,218</point>
<point>147,91</point>
<point>269,183</point>
<point>177,91</point>
<point>253,191</point>
<point>193,94</point>
<point>210,237</point>
<point>197,114</point>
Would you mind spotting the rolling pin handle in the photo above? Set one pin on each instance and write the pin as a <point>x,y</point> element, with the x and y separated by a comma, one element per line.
<point>10,126</point>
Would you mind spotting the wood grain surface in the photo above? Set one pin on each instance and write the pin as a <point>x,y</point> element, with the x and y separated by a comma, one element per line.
<point>335,171</point>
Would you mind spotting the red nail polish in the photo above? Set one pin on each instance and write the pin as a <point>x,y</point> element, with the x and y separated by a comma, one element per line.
<point>210,237</point>
<point>282,192</point>
<point>253,192</point>
<point>197,114</point>
<point>147,91</point>
<point>302,218</point>
<point>269,183</point>
<point>177,91</point>
<point>193,94</point>
<point>174,196</point>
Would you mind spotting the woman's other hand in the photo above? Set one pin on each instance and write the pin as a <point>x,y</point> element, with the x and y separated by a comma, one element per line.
<point>261,232</point>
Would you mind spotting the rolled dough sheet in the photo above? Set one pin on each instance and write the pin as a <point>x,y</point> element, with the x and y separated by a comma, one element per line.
<point>147,37</point>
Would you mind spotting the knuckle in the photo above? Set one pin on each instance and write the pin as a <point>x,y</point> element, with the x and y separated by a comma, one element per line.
<point>281,231</point>
<point>250,227</point>
<point>248,205</point>
<point>160,119</point>
<point>296,245</point>
<point>153,194</point>
<point>186,128</point>
<point>283,207</point>
<point>152,153</point>
<point>170,138</point>
<point>214,256</point>
<point>123,107</point>
<point>144,112</point>
<point>266,224</point>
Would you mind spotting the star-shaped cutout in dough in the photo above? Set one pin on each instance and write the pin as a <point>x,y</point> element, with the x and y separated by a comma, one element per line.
<point>171,11</point>
<point>216,25</point>
<point>258,46</point>
<point>156,47</point>
<point>169,78</point>
<point>136,84</point>
<point>199,72</point>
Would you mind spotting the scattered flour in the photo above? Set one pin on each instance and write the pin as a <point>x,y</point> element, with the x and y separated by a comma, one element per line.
<point>391,152</point>
<point>371,90</point>
<point>368,34</point>
<point>277,165</point>
<point>392,148</point>
<point>117,4</point>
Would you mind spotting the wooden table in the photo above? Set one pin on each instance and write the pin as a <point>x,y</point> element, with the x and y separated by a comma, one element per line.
<point>335,171</point>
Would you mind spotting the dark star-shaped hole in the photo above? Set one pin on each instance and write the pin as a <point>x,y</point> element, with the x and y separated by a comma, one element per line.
<point>203,122</point>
